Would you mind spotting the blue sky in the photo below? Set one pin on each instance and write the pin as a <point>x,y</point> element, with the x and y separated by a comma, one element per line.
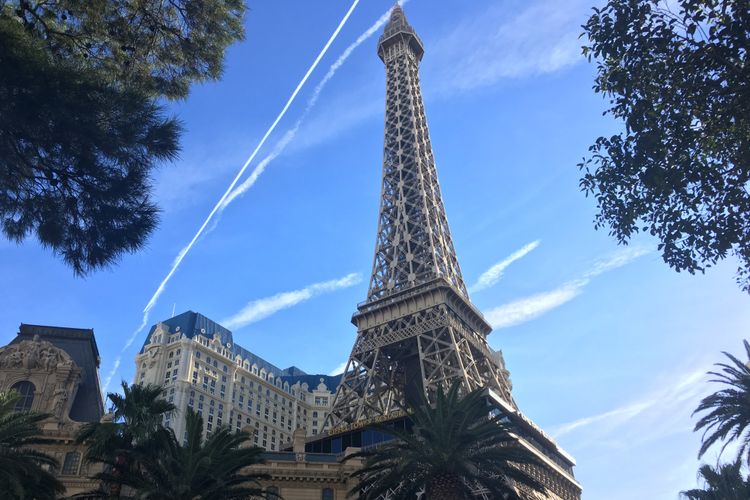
<point>606,346</point>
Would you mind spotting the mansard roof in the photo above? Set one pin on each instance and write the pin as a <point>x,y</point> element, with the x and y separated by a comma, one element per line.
<point>80,344</point>
<point>192,324</point>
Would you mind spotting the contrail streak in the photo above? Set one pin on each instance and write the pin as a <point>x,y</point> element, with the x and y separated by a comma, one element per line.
<point>292,132</point>
<point>181,255</point>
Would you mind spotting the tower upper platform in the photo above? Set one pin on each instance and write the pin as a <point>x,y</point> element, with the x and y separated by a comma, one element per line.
<point>398,29</point>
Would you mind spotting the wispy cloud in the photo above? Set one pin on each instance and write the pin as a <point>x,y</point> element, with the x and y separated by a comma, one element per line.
<point>219,204</point>
<point>259,309</point>
<point>494,273</point>
<point>339,369</point>
<point>528,308</point>
<point>665,408</point>
<point>509,40</point>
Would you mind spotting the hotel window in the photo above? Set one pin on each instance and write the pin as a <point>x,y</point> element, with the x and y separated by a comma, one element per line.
<point>326,494</point>
<point>71,463</point>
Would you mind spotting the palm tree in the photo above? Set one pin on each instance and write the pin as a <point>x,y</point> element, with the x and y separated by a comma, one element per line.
<point>213,468</point>
<point>22,469</point>
<point>136,417</point>
<point>724,482</point>
<point>451,449</point>
<point>729,409</point>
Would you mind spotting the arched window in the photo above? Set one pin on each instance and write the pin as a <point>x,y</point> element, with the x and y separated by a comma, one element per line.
<point>71,463</point>
<point>26,390</point>
<point>326,494</point>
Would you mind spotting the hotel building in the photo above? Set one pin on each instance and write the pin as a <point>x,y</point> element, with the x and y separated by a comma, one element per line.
<point>197,362</point>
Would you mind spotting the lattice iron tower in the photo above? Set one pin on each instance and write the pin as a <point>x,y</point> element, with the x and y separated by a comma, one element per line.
<point>417,329</point>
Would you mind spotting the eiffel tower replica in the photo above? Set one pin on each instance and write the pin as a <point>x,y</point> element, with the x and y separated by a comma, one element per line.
<point>418,329</point>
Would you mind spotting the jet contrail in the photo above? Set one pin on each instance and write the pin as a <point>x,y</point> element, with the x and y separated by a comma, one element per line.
<point>292,132</point>
<point>181,255</point>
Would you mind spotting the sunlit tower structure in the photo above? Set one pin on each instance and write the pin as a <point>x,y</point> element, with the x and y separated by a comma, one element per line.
<point>418,329</point>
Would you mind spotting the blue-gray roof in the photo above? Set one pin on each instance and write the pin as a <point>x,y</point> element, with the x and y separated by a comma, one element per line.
<point>191,324</point>
<point>80,345</point>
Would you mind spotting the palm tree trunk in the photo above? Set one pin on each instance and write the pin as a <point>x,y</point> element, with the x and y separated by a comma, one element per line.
<point>445,487</point>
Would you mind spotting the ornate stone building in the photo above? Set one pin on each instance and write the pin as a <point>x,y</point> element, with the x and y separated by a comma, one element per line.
<point>297,474</point>
<point>200,367</point>
<point>55,370</point>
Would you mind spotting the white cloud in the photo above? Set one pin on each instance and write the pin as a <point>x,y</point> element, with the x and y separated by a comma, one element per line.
<point>509,40</point>
<point>528,308</point>
<point>667,408</point>
<point>494,273</point>
<point>617,259</point>
<point>339,369</point>
<point>259,309</point>
<point>525,309</point>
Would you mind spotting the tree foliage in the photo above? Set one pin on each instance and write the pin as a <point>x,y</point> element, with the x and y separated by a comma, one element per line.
<point>135,418</point>
<point>450,449</point>
<point>156,46</point>
<point>22,476</point>
<point>214,468</point>
<point>678,79</point>
<point>75,156</point>
<point>728,410</point>
<point>724,482</point>
<point>139,453</point>
<point>81,129</point>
